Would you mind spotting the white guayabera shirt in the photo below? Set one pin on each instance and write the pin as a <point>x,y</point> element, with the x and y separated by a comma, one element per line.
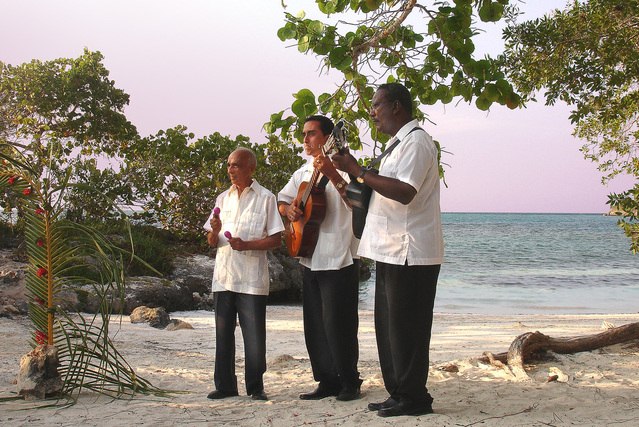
<point>397,233</point>
<point>251,215</point>
<point>336,244</point>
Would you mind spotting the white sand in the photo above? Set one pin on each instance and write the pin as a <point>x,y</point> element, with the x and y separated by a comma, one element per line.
<point>598,388</point>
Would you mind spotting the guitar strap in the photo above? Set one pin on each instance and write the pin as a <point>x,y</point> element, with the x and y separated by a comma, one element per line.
<point>322,182</point>
<point>390,149</point>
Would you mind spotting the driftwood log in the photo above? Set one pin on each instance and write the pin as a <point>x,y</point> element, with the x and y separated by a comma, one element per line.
<point>534,345</point>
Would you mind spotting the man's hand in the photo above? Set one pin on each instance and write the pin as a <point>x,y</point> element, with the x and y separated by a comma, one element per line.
<point>345,162</point>
<point>324,165</point>
<point>216,225</point>
<point>238,244</point>
<point>293,213</point>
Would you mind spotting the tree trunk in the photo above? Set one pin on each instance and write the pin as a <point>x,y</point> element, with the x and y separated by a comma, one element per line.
<point>531,345</point>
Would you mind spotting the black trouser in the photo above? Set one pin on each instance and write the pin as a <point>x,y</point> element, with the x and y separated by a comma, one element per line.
<point>404,298</point>
<point>330,300</point>
<point>251,310</point>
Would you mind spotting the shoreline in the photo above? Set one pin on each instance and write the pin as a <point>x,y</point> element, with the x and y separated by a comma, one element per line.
<point>593,388</point>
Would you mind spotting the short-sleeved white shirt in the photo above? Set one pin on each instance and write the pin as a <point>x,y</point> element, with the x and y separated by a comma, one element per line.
<point>336,244</point>
<point>397,233</point>
<point>251,215</point>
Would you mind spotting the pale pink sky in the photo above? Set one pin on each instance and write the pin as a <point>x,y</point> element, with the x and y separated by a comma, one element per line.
<point>218,66</point>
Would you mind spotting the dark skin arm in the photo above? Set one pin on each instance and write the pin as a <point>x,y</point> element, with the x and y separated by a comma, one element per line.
<point>391,188</point>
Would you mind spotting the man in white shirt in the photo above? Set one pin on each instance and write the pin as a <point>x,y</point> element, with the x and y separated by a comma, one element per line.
<point>331,276</point>
<point>246,225</point>
<point>403,234</point>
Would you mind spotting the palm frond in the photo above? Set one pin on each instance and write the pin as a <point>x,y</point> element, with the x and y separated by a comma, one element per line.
<point>55,249</point>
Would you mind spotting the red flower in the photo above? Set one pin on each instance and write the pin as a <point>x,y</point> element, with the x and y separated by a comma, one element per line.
<point>12,179</point>
<point>39,211</point>
<point>40,242</point>
<point>39,300</point>
<point>26,191</point>
<point>41,272</point>
<point>41,337</point>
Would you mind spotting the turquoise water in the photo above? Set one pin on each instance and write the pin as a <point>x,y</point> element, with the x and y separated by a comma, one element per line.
<point>533,263</point>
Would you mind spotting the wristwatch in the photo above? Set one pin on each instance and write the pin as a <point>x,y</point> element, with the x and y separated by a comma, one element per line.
<point>360,178</point>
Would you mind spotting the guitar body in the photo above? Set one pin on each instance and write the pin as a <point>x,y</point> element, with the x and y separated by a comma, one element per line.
<point>359,195</point>
<point>301,236</point>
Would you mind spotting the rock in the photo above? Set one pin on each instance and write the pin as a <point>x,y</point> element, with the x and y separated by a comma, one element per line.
<point>12,281</point>
<point>9,311</point>
<point>188,287</point>
<point>156,317</point>
<point>204,302</point>
<point>177,324</point>
<point>140,291</point>
<point>157,292</point>
<point>195,273</point>
<point>39,377</point>
<point>285,277</point>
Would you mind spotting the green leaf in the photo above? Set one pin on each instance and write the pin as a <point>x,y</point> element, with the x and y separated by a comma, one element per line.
<point>483,103</point>
<point>303,44</point>
<point>491,11</point>
<point>340,58</point>
<point>288,31</point>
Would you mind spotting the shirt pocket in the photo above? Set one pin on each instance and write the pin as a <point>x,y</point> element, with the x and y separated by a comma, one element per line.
<point>236,268</point>
<point>377,226</point>
<point>253,223</point>
<point>381,239</point>
<point>245,268</point>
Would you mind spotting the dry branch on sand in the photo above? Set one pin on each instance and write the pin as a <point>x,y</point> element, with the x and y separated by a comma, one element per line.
<point>535,345</point>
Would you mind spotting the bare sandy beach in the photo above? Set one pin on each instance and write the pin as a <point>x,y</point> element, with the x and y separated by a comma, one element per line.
<point>598,388</point>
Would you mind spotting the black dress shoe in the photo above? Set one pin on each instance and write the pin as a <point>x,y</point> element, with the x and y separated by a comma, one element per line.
<point>405,408</point>
<point>388,403</point>
<point>260,395</point>
<point>349,393</point>
<point>217,394</point>
<point>319,393</point>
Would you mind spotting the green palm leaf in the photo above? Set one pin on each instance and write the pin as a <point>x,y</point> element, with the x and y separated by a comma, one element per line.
<point>56,249</point>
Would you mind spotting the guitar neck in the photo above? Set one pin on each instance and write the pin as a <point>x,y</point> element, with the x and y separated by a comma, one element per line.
<point>307,192</point>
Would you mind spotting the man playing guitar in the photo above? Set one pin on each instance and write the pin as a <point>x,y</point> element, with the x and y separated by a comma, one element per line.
<point>331,273</point>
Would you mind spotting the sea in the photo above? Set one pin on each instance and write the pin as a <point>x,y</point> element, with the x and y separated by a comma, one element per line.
<point>516,263</point>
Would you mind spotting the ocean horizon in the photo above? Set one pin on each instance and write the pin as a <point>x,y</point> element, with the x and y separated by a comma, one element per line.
<point>533,263</point>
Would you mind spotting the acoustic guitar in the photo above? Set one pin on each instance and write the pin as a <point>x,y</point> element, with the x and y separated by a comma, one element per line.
<point>301,235</point>
<point>359,195</point>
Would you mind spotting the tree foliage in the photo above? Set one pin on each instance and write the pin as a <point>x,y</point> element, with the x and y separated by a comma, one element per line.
<point>175,178</point>
<point>66,115</point>
<point>60,115</point>
<point>426,45</point>
<point>588,57</point>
